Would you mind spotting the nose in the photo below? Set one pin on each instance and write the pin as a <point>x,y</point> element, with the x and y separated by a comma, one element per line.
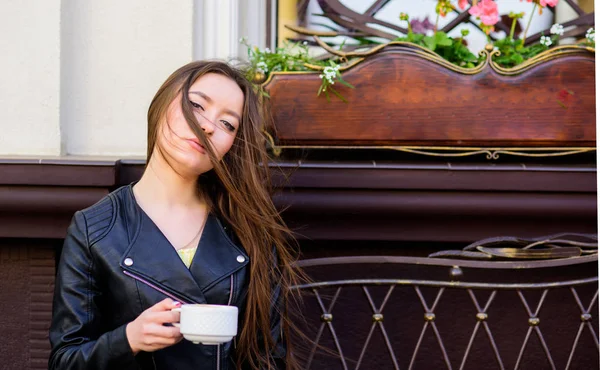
<point>207,125</point>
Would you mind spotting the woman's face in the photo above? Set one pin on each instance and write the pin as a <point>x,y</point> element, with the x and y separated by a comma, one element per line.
<point>217,103</point>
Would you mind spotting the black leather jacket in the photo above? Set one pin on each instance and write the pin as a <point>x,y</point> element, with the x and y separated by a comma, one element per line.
<point>115,264</point>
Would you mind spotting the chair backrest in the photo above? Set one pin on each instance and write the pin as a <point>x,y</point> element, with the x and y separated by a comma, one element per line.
<point>379,312</point>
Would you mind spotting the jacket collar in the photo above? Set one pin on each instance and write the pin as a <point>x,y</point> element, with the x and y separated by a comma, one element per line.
<point>152,257</point>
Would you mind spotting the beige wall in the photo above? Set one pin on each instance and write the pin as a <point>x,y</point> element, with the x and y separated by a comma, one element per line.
<point>115,54</point>
<point>78,75</point>
<point>30,81</point>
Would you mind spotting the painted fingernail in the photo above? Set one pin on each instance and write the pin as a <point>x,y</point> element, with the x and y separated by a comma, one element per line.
<point>177,303</point>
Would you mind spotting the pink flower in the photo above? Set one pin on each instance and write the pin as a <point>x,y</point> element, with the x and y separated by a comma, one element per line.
<point>487,11</point>
<point>548,3</point>
<point>462,4</point>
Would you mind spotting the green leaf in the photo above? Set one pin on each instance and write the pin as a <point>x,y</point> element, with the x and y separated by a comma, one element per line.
<point>321,89</point>
<point>429,42</point>
<point>502,60</point>
<point>338,95</point>
<point>345,83</point>
<point>418,38</point>
<point>516,58</point>
<point>441,38</point>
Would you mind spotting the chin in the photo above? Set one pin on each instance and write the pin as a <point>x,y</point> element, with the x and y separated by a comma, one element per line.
<point>196,168</point>
<point>190,163</point>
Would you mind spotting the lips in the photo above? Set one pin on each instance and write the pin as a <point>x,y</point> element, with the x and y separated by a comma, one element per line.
<point>196,145</point>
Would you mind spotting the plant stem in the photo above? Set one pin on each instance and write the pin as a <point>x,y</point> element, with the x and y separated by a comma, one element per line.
<point>437,18</point>
<point>512,29</point>
<point>529,23</point>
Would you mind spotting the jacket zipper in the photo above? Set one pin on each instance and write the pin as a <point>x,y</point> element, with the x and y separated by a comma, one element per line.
<point>154,286</point>
<point>229,304</point>
<point>230,291</point>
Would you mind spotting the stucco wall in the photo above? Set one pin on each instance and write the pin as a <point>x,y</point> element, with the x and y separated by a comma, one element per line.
<point>29,70</point>
<point>78,76</point>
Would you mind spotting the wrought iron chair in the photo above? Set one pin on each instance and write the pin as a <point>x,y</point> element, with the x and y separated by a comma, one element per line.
<point>499,303</point>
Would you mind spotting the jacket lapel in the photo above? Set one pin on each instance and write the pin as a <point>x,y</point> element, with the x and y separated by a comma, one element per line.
<point>150,256</point>
<point>217,256</point>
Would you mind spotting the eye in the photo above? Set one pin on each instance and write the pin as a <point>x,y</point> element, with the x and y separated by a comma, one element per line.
<point>229,126</point>
<point>196,105</point>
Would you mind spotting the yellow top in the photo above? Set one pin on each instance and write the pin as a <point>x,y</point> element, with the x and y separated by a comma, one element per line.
<point>187,255</point>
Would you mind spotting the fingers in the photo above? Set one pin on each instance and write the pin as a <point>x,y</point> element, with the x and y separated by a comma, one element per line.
<point>148,332</point>
<point>166,334</point>
<point>164,317</point>
<point>166,304</point>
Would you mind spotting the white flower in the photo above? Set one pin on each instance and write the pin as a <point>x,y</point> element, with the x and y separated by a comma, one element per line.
<point>262,67</point>
<point>329,73</point>
<point>545,40</point>
<point>326,77</point>
<point>305,43</point>
<point>590,35</point>
<point>557,29</point>
<point>267,50</point>
<point>243,40</point>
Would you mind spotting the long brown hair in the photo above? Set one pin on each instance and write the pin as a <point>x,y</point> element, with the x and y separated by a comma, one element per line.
<point>238,189</point>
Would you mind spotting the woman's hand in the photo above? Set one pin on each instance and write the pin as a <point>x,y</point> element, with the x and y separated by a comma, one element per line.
<point>147,332</point>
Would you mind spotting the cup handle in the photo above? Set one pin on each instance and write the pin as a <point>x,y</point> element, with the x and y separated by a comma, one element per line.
<point>176,324</point>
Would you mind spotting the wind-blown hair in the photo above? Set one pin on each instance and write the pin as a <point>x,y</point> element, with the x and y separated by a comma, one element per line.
<point>238,190</point>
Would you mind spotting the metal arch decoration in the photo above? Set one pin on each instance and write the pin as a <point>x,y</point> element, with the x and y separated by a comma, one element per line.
<point>352,21</point>
<point>565,245</point>
<point>448,152</point>
<point>353,58</point>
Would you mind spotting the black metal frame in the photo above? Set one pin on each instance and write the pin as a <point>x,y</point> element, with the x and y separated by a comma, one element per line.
<point>455,282</point>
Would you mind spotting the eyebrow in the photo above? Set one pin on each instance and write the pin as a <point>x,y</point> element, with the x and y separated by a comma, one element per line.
<point>208,99</point>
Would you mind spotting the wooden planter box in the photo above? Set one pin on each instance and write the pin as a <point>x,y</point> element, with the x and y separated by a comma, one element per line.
<point>408,98</point>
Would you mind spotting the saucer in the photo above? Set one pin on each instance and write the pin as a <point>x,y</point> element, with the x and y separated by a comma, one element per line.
<point>207,340</point>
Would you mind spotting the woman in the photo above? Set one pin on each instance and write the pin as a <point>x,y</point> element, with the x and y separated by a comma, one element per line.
<point>199,227</point>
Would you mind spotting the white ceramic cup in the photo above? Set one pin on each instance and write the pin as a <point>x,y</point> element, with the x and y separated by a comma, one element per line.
<point>208,324</point>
